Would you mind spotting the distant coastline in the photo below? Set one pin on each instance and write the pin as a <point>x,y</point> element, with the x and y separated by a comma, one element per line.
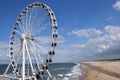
<point>118,59</point>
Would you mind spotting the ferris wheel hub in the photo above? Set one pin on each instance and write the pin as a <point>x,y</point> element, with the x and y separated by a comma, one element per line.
<point>23,36</point>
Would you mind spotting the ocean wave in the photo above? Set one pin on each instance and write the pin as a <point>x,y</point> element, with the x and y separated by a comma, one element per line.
<point>65,78</point>
<point>73,74</point>
<point>76,71</point>
<point>59,68</point>
<point>60,75</point>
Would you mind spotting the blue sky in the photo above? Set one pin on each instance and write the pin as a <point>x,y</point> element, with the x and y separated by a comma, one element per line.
<point>89,29</point>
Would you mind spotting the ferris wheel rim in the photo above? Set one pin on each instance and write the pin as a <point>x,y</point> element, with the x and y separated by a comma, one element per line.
<point>53,37</point>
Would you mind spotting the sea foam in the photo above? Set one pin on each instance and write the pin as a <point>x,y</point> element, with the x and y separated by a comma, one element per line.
<point>74,74</point>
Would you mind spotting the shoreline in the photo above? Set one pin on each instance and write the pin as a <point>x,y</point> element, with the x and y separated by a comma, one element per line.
<point>101,70</point>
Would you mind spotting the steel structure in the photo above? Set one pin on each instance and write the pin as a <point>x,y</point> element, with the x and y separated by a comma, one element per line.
<point>32,43</point>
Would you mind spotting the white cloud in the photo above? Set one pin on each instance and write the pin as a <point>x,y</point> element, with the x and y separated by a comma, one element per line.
<point>112,29</point>
<point>109,18</point>
<point>43,40</point>
<point>62,29</point>
<point>4,50</point>
<point>117,5</point>
<point>86,32</point>
<point>60,39</point>
<point>113,19</point>
<point>103,44</point>
<point>62,55</point>
<point>3,44</point>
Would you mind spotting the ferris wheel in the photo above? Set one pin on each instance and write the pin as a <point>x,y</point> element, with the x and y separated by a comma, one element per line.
<point>33,41</point>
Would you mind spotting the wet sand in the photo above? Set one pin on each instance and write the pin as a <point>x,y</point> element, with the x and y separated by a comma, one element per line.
<point>101,70</point>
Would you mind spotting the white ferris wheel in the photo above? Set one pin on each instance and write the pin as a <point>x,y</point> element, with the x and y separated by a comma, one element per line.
<point>32,42</point>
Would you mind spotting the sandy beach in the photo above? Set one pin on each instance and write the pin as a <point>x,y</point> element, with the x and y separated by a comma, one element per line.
<point>101,70</point>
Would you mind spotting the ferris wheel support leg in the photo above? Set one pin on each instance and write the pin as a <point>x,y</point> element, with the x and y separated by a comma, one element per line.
<point>7,68</point>
<point>29,57</point>
<point>23,61</point>
<point>49,74</point>
<point>36,56</point>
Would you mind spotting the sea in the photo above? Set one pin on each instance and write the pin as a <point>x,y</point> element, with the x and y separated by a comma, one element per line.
<point>61,71</point>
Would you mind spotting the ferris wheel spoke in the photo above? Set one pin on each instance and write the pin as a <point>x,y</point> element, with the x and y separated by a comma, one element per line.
<point>36,59</point>
<point>42,28</point>
<point>24,25</point>
<point>37,52</point>
<point>39,22</point>
<point>21,25</point>
<point>41,48</point>
<point>40,59</point>
<point>43,39</point>
<point>17,44</point>
<point>18,32</point>
<point>33,51</point>
<point>34,20</point>
<point>29,21</point>
<point>43,17</point>
<point>25,21</point>
<point>17,49</point>
<point>19,55</point>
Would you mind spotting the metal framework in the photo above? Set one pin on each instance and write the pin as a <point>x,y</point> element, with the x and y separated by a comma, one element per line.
<point>32,43</point>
